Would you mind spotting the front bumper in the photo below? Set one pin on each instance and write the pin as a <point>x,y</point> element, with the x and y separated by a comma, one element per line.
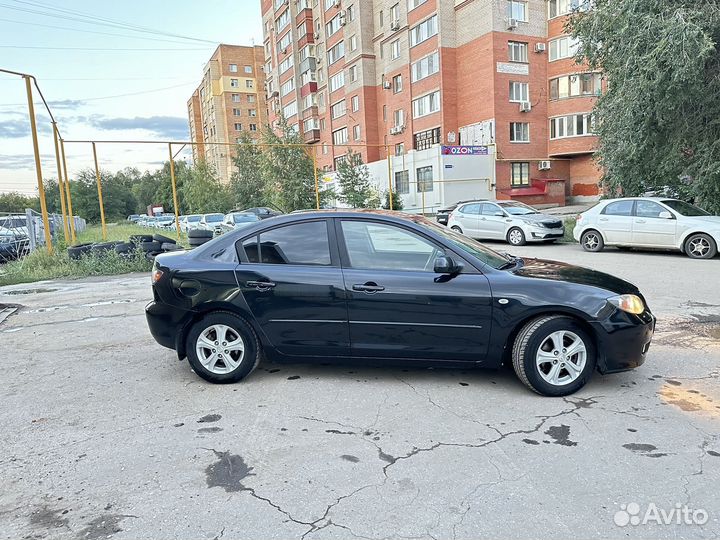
<point>541,233</point>
<point>623,340</point>
<point>166,323</point>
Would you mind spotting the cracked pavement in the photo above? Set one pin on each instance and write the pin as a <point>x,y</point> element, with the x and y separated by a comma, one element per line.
<point>106,435</point>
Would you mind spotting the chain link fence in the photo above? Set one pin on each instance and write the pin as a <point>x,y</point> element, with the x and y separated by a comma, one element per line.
<point>22,233</point>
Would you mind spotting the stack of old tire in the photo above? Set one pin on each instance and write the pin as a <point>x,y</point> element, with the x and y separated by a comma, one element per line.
<point>197,237</point>
<point>151,246</point>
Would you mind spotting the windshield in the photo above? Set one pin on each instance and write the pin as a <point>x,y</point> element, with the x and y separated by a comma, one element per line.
<point>241,218</point>
<point>517,209</point>
<point>685,209</point>
<point>193,219</point>
<point>213,218</point>
<point>468,245</point>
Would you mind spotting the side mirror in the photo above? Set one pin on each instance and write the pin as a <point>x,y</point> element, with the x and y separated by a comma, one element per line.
<point>665,215</point>
<point>446,265</point>
<point>499,214</point>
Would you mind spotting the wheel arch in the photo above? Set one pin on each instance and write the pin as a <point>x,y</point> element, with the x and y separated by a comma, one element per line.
<point>592,227</point>
<point>696,230</point>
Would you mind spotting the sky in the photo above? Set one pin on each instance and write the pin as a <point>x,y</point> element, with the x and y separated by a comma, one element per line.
<point>133,84</point>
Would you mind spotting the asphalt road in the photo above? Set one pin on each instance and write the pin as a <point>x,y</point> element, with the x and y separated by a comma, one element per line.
<point>106,434</point>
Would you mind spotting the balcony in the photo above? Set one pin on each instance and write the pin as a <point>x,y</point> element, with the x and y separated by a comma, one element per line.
<point>312,136</point>
<point>308,64</point>
<point>308,88</point>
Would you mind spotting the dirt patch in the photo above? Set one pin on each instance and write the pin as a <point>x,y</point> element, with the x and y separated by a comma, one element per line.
<point>700,332</point>
<point>688,400</point>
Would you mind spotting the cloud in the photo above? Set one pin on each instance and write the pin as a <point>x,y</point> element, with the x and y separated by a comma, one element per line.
<point>17,129</point>
<point>24,161</point>
<point>66,104</point>
<point>169,127</point>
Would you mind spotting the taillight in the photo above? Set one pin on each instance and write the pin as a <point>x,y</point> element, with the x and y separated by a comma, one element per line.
<point>578,218</point>
<point>156,275</point>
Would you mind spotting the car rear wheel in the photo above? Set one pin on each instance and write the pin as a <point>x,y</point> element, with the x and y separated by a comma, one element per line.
<point>516,237</point>
<point>592,241</point>
<point>223,348</point>
<point>456,229</point>
<point>554,356</point>
<point>700,246</point>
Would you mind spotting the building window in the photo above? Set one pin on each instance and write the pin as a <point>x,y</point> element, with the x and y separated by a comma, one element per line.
<point>518,10</point>
<point>427,104</point>
<point>517,51</point>
<point>286,64</point>
<point>564,47</point>
<point>252,112</point>
<point>402,181</point>
<point>282,21</point>
<point>248,69</point>
<point>583,84</point>
<point>337,81</point>
<point>350,13</point>
<point>251,98</point>
<point>519,92</point>
<point>519,132</point>
<point>395,50</point>
<point>287,87</point>
<point>520,174</point>
<point>340,136</point>
<point>290,109</point>
<point>248,83</point>
<point>557,8</point>
<point>399,117</point>
<point>353,43</point>
<point>574,125</point>
<point>235,98</point>
<point>399,149</point>
<point>333,26</point>
<point>423,31</point>
<point>353,73</point>
<point>424,179</point>
<point>236,112</point>
<point>338,109</point>
<point>395,14</point>
<point>381,19</point>
<point>412,4</point>
<point>336,53</point>
<point>233,68</point>
<point>253,127</point>
<point>425,139</point>
<point>425,67</point>
<point>234,83</point>
<point>356,132</point>
<point>355,103</point>
<point>397,83</point>
<point>238,127</point>
<point>285,41</point>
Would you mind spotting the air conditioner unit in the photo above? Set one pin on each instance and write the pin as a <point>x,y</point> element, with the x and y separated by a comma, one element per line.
<point>540,47</point>
<point>395,25</point>
<point>316,36</point>
<point>525,106</point>
<point>274,94</point>
<point>544,166</point>
<point>397,130</point>
<point>512,23</point>
<point>387,85</point>
<point>343,22</point>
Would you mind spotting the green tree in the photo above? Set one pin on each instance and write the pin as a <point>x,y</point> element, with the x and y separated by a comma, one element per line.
<point>659,120</point>
<point>248,186</point>
<point>18,203</point>
<point>353,178</point>
<point>203,192</point>
<point>397,203</point>
<point>287,169</point>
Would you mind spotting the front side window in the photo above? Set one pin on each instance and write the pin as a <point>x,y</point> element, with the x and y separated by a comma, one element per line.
<point>520,174</point>
<point>648,209</point>
<point>377,246</point>
<point>619,208</point>
<point>304,244</point>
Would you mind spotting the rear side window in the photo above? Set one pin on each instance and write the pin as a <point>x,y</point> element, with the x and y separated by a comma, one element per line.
<point>470,209</point>
<point>299,243</point>
<point>491,210</point>
<point>619,208</point>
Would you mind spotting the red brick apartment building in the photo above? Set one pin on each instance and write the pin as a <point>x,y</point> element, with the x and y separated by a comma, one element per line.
<point>413,74</point>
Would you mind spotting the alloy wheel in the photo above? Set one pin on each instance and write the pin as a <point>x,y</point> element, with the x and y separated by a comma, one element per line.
<point>699,247</point>
<point>591,241</point>
<point>220,349</point>
<point>561,357</point>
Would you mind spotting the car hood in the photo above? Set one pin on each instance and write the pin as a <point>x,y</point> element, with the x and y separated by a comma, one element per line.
<point>537,218</point>
<point>559,271</point>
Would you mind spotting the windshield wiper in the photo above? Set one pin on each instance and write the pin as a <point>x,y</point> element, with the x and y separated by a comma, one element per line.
<point>512,263</point>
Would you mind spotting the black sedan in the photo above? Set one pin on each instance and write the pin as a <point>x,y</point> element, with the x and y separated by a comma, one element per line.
<point>374,286</point>
<point>443,214</point>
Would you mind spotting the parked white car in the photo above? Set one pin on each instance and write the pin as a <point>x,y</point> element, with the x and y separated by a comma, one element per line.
<point>210,221</point>
<point>649,222</point>
<point>512,221</point>
<point>190,222</point>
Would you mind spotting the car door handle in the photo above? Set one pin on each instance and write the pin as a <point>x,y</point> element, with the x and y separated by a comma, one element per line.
<point>369,287</point>
<point>640,221</point>
<point>261,285</point>
<point>483,219</point>
<point>603,219</point>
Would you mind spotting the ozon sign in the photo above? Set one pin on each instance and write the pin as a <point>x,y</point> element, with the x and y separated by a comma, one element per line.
<point>465,150</point>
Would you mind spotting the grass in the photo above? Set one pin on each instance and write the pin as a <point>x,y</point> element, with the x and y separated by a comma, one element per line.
<point>569,226</point>
<point>40,265</point>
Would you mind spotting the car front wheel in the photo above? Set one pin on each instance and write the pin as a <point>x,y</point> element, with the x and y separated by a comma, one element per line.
<point>222,348</point>
<point>456,229</point>
<point>554,355</point>
<point>516,237</point>
<point>700,246</point>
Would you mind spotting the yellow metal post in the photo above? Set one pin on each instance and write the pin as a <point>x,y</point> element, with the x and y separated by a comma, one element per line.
<point>38,169</point>
<point>61,185</point>
<point>174,188</point>
<point>317,182</point>
<point>67,192</point>
<point>100,195</point>
<point>390,189</point>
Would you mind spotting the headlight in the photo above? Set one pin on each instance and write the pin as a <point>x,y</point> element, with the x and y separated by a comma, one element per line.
<point>630,303</point>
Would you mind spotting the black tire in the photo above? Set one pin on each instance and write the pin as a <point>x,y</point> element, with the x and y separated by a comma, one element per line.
<point>516,237</point>
<point>200,233</point>
<point>150,246</point>
<point>102,247</point>
<point>75,252</point>
<point>250,357</point>
<point>700,246</point>
<point>592,241</point>
<point>163,239</point>
<point>195,242</point>
<point>456,229</point>
<point>150,255</point>
<point>170,246</point>
<point>125,247</point>
<point>536,334</point>
<point>138,239</point>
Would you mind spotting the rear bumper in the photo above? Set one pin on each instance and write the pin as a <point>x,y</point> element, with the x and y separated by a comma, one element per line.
<point>623,340</point>
<point>442,219</point>
<point>166,323</point>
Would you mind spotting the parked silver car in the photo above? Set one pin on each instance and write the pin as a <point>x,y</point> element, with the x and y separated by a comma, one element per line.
<point>649,222</point>
<point>512,221</point>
